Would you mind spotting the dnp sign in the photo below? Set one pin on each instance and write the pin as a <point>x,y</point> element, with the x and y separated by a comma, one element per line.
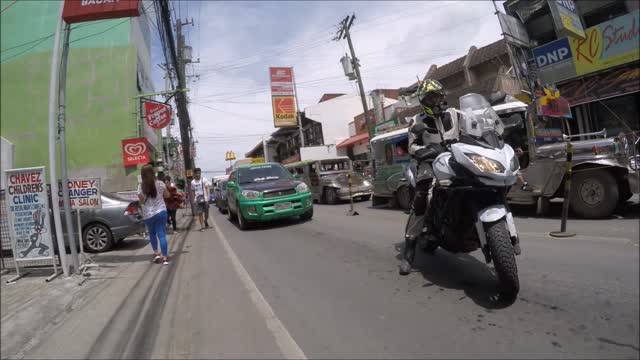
<point>552,53</point>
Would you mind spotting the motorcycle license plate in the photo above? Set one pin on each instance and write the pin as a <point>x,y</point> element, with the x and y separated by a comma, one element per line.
<point>282,206</point>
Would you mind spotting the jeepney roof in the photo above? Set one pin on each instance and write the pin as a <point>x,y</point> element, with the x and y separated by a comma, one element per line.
<point>257,164</point>
<point>390,134</point>
<point>309,161</point>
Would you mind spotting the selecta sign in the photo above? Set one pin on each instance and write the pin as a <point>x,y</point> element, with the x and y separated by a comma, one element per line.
<point>282,96</point>
<point>135,151</point>
<point>90,10</point>
<point>156,114</point>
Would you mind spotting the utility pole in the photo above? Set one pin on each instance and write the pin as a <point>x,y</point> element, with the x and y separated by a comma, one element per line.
<point>344,33</point>
<point>185,121</point>
<point>298,112</point>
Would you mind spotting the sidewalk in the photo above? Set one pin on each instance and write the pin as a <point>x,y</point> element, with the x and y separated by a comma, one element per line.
<point>196,307</point>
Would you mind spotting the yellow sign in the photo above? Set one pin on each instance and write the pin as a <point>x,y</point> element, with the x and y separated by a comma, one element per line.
<point>284,111</point>
<point>608,44</point>
<point>229,155</point>
<point>525,98</point>
<point>257,160</point>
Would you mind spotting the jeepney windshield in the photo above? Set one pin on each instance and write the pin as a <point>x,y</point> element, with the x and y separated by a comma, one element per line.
<point>479,120</point>
<point>334,165</point>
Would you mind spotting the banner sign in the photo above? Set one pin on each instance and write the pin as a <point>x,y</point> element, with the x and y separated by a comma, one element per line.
<point>156,114</point>
<point>552,104</point>
<point>28,213</point>
<point>554,61</point>
<point>548,135</point>
<point>84,193</point>
<point>609,84</point>
<point>566,19</point>
<point>611,43</point>
<point>90,10</point>
<point>282,97</point>
<point>135,151</point>
<point>284,111</point>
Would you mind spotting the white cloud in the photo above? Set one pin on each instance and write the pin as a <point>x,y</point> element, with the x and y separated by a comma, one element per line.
<point>395,41</point>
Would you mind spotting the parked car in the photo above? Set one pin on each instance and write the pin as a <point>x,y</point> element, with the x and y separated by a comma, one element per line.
<point>221,196</point>
<point>328,179</point>
<point>103,228</point>
<point>264,192</point>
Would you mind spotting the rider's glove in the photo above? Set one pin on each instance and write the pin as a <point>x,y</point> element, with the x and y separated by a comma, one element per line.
<point>429,152</point>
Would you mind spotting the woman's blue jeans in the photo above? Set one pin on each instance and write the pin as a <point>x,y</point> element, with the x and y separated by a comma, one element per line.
<point>156,226</point>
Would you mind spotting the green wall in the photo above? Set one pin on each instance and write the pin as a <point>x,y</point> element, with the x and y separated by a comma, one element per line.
<point>101,83</point>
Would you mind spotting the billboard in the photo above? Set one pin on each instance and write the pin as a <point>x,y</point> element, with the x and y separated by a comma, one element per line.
<point>135,151</point>
<point>282,97</point>
<point>566,19</point>
<point>28,213</point>
<point>84,193</point>
<point>554,61</point>
<point>90,10</point>
<point>605,85</point>
<point>611,43</point>
<point>156,114</point>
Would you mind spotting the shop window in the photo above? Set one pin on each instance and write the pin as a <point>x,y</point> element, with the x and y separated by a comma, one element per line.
<point>607,12</point>
<point>402,148</point>
<point>388,153</point>
<point>613,114</point>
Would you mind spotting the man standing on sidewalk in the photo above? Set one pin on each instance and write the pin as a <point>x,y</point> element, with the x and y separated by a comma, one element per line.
<point>200,195</point>
<point>173,202</point>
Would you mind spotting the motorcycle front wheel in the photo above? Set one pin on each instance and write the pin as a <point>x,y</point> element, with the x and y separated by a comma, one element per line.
<point>504,259</point>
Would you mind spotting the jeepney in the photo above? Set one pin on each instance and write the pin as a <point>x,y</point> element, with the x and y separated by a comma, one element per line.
<point>604,171</point>
<point>390,154</point>
<point>328,179</point>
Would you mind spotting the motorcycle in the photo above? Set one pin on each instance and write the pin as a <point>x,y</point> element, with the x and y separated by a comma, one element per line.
<point>468,208</point>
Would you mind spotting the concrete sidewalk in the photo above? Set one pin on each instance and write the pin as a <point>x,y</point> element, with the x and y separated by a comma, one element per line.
<point>198,306</point>
<point>31,308</point>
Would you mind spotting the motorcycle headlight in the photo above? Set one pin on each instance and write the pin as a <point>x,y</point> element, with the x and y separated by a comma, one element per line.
<point>250,194</point>
<point>302,187</point>
<point>485,164</point>
<point>515,164</point>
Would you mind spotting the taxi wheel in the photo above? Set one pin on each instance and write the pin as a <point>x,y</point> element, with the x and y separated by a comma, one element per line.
<point>307,215</point>
<point>330,196</point>
<point>230,215</point>
<point>243,223</point>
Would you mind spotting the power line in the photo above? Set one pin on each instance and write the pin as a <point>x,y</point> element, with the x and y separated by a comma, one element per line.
<point>8,6</point>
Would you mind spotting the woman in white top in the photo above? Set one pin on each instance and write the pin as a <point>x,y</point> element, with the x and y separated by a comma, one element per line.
<point>152,193</point>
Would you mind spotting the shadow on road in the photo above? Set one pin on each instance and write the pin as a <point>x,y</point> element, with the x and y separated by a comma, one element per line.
<point>459,271</point>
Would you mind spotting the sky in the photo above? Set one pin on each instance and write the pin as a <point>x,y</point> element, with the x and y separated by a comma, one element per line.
<point>237,41</point>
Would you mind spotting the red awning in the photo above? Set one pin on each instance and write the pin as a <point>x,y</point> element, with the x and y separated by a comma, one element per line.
<point>354,139</point>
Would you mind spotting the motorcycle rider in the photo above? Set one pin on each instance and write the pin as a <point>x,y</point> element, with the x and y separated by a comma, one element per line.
<point>425,137</point>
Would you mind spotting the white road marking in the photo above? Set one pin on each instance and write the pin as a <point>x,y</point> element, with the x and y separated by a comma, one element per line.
<point>286,343</point>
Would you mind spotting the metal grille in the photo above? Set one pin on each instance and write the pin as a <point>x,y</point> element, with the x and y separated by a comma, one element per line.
<point>272,194</point>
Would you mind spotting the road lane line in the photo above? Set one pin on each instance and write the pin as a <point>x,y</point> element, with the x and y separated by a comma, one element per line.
<point>285,341</point>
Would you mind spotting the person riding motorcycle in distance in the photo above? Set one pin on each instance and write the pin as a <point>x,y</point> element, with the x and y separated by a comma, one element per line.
<point>425,137</point>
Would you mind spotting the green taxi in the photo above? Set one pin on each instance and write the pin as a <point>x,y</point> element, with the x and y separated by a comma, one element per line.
<point>265,192</point>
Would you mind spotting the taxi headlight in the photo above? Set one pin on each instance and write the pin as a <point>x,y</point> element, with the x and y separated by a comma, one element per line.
<point>302,187</point>
<point>485,164</point>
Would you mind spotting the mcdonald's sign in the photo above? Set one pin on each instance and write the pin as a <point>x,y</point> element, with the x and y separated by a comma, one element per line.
<point>229,155</point>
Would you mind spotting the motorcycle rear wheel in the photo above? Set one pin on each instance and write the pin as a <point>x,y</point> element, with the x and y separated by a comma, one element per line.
<point>504,259</point>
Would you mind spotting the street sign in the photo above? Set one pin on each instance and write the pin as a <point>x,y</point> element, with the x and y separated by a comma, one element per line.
<point>135,151</point>
<point>28,214</point>
<point>282,97</point>
<point>84,193</point>
<point>90,10</point>
<point>156,114</point>
<point>566,18</point>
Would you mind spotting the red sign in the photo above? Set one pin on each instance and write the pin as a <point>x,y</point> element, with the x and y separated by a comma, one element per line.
<point>135,151</point>
<point>281,81</point>
<point>91,10</point>
<point>284,111</point>
<point>156,114</point>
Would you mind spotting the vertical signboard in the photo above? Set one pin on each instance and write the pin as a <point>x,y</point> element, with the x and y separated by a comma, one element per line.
<point>566,18</point>
<point>28,214</point>
<point>135,151</point>
<point>282,97</point>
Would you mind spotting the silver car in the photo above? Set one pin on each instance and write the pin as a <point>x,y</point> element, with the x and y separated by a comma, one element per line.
<point>103,228</point>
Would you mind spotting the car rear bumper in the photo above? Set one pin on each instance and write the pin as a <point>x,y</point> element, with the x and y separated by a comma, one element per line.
<point>265,209</point>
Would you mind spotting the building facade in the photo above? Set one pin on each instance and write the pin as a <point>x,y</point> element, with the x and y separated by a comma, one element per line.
<point>109,65</point>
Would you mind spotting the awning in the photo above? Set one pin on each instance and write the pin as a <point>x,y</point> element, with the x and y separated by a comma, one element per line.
<point>352,140</point>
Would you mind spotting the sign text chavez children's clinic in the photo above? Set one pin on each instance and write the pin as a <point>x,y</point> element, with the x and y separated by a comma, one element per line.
<point>24,188</point>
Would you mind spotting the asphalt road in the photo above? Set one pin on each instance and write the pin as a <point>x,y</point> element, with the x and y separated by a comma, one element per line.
<point>329,288</point>
<point>333,283</point>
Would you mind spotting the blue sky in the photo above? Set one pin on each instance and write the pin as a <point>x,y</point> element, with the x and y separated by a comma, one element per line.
<point>237,41</point>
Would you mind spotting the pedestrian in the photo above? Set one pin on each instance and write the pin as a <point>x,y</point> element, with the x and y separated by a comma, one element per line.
<point>200,196</point>
<point>173,202</point>
<point>151,193</point>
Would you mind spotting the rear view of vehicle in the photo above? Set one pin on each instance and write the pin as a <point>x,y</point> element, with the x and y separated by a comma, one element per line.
<point>265,192</point>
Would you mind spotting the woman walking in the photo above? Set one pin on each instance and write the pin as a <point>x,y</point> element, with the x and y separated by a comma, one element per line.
<point>152,193</point>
